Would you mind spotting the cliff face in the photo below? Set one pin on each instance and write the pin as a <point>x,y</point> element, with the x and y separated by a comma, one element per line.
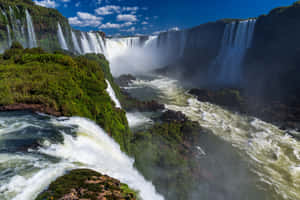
<point>272,63</point>
<point>36,26</point>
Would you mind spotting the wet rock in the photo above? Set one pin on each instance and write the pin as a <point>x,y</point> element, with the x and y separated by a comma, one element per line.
<point>173,116</point>
<point>85,184</point>
<point>224,97</point>
<point>30,107</point>
<point>133,104</point>
<point>124,80</point>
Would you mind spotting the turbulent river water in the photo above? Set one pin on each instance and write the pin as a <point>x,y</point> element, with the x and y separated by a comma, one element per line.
<point>36,149</point>
<point>245,157</point>
<point>271,154</point>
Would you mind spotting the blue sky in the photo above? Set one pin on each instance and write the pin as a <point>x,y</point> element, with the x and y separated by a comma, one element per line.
<point>127,17</point>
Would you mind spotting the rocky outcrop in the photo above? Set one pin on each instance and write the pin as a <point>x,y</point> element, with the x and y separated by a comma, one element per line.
<point>31,107</point>
<point>87,184</point>
<point>124,80</point>
<point>132,104</point>
<point>285,115</point>
<point>173,116</point>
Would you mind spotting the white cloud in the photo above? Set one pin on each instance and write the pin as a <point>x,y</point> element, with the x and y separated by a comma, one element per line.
<point>132,29</point>
<point>144,23</point>
<point>132,10</point>
<point>130,18</point>
<point>65,1</point>
<point>108,10</point>
<point>109,25</point>
<point>77,4</point>
<point>47,3</point>
<point>84,19</point>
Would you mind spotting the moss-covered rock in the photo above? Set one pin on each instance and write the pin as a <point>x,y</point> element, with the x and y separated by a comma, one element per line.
<point>168,147</point>
<point>61,85</point>
<point>87,184</point>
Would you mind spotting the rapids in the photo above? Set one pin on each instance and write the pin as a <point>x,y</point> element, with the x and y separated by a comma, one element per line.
<point>273,155</point>
<point>36,149</point>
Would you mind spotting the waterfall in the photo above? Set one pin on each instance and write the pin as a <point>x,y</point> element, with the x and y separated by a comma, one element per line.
<point>151,42</point>
<point>61,38</point>
<point>102,44</point>
<point>8,35</point>
<point>237,39</point>
<point>85,44</point>
<point>30,28</point>
<point>94,44</point>
<point>84,145</point>
<point>182,43</point>
<point>17,25</point>
<point>112,95</point>
<point>75,42</point>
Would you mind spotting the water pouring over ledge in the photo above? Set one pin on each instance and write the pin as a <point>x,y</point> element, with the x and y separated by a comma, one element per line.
<point>63,144</point>
<point>61,38</point>
<point>31,33</point>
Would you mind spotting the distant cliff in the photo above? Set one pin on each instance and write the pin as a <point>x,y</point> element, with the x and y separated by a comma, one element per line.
<point>272,64</point>
<point>33,25</point>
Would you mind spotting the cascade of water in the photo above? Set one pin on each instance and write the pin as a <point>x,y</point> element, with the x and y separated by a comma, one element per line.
<point>17,25</point>
<point>182,43</point>
<point>61,38</point>
<point>75,43</point>
<point>94,44</point>
<point>8,35</point>
<point>112,95</point>
<point>102,45</point>
<point>27,174</point>
<point>237,39</point>
<point>30,28</point>
<point>151,43</point>
<point>85,44</point>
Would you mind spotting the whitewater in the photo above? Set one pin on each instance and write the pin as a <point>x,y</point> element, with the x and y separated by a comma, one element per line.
<point>273,154</point>
<point>84,145</point>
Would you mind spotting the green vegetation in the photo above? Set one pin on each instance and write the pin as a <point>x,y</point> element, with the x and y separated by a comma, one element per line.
<point>163,155</point>
<point>87,184</point>
<point>44,20</point>
<point>72,86</point>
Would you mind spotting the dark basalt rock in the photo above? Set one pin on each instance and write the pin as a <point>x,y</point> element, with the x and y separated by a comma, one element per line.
<point>285,115</point>
<point>224,97</point>
<point>173,116</point>
<point>124,80</point>
<point>31,107</point>
<point>132,104</point>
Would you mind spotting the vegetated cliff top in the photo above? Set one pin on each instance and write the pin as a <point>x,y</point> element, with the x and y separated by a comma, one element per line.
<point>61,85</point>
<point>87,184</point>
<point>283,9</point>
<point>29,2</point>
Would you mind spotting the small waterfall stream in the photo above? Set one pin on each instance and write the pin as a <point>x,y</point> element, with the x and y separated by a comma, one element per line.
<point>61,38</point>
<point>75,43</point>
<point>31,33</point>
<point>8,35</point>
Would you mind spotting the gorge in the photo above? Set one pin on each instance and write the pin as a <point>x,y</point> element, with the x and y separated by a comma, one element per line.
<point>63,110</point>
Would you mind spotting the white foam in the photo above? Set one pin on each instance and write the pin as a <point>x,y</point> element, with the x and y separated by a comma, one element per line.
<point>112,95</point>
<point>274,154</point>
<point>137,119</point>
<point>94,149</point>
